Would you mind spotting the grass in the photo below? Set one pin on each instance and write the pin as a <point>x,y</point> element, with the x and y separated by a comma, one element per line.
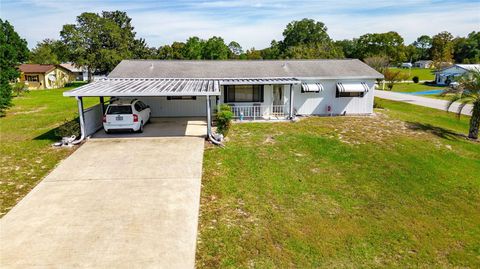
<point>400,189</point>
<point>418,87</point>
<point>421,73</point>
<point>27,132</point>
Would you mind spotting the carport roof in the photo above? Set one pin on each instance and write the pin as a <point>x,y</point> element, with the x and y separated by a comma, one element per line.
<point>133,87</point>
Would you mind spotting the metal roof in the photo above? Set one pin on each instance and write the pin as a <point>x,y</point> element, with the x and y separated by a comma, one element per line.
<point>133,87</point>
<point>129,87</point>
<point>245,69</point>
<point>260,81</point>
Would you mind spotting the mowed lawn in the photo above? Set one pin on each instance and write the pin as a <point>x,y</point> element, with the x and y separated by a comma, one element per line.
<point>421,73</point>
<point>419,87</point>
<point>26,135</point>
<point>399,189</point>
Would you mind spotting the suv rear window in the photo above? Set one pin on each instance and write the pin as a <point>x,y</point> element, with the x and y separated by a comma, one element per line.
<point>115,110</point>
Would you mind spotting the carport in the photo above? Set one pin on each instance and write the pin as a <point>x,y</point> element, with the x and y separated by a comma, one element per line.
<point>144,88</point>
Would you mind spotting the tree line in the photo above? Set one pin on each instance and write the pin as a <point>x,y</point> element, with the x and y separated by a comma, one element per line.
<point>99,41</point>
<point>102,40</point>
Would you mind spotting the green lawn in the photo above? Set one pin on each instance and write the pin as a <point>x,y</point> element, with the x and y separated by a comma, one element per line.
<point>400,189</point>
<point>418,87</point>
<point>26,138</point>
<point>421,73</point>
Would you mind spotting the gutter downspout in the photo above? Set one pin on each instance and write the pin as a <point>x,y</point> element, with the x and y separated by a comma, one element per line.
<point>291,116</point>
<point>82,121</point>
<point>209,124</point>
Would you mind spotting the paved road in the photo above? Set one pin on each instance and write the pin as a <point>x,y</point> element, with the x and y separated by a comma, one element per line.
<point>422,101</point>
<point>114,203</point>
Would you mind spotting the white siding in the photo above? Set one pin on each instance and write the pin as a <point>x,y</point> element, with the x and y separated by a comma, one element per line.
<point>161,107</point>
<point>317,103</point>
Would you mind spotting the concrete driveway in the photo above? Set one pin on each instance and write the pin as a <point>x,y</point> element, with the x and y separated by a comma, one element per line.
<point>114,203</point>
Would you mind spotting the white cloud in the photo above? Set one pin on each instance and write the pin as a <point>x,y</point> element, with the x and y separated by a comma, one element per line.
<point>251,23</point>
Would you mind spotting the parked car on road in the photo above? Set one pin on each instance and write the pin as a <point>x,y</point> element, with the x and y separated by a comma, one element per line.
<point>126,114</point>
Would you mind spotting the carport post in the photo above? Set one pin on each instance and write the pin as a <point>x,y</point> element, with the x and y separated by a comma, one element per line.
<point>102,102</point>
<point>209,117</point>
<point>290,112</point>
<point>80,114</point>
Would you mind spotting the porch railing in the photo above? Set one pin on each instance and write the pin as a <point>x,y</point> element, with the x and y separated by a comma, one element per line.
<point>259,111</point>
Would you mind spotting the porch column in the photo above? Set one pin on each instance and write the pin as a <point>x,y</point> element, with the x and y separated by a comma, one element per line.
<point>81,117</point>
<point>102,103</point>
<point>290,114</point>
<point>209,117</point>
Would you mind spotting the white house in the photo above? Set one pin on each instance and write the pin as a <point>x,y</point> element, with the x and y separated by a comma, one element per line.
<point>423,64</point>
<point>447,75</point>
<point>256,90</point>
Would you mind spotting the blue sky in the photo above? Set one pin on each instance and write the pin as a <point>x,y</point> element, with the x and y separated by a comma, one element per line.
<point>251,23</point>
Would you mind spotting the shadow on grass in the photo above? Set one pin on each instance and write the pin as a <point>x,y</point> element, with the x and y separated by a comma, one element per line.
<point>438,131</point>
<point>67,128</point>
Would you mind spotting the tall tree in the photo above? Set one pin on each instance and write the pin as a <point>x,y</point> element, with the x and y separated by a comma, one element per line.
<point>100,42</point>
<point>308,38</point>
<point>49,51</point>
<point>442,49</point>
<point>388,44</point>
<point>467,92</point>
<point>253,54</point>
<point>467,49</point>
<point>215,49</point>
<point>13,51</point>
<point>193,48</point>
<point>423,45</point>
<point>235,50</point>
<point>273,52</point>
<point>349,47</point>
<point>305,31</point>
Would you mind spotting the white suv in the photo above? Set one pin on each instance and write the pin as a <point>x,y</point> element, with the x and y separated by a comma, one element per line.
<point>126,114</point>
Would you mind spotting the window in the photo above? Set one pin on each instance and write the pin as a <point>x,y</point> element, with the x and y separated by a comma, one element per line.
<point>349,94</point>
<point>181,98</point>
<point>138,107</point>
<point>115,110</point>
<point>31,78</point>
<point>243,93</point>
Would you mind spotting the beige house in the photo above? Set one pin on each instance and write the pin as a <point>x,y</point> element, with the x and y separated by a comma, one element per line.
<point>44,76</point>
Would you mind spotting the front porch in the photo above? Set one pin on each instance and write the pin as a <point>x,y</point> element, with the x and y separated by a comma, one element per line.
<point>260,112</point>
<point>258,99</point>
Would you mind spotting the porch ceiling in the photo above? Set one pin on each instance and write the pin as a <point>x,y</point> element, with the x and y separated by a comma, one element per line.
<point>133,87</point>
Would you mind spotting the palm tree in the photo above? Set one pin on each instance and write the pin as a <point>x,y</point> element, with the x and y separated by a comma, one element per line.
<point>467,92</point>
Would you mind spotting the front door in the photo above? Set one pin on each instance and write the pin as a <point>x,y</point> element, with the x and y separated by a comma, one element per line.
<point>277,95</point>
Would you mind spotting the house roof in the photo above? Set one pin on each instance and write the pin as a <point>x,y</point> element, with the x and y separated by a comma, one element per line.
<point>320,69</point>
<point>36,68</point>
<point>71,67</point>
<point>423,61</point>
<point>468,67</point>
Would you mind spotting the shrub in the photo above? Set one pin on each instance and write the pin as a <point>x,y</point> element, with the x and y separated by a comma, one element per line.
<point>5,96</point>
<point>376,104</point>
<point>19,88</point>
<point>224,119</point>
<point>68,128</point>
<point>415,79</point>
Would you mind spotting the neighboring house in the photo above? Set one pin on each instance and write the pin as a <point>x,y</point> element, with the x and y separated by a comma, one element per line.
<point>256,90</point>
<point>423,64</point>
<point>406,65</point>
<point>78,73</point>
<point>44,76</point>
<point>449,74</point>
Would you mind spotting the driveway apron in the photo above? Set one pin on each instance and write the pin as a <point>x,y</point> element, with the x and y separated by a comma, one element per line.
<point>114,203</point>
